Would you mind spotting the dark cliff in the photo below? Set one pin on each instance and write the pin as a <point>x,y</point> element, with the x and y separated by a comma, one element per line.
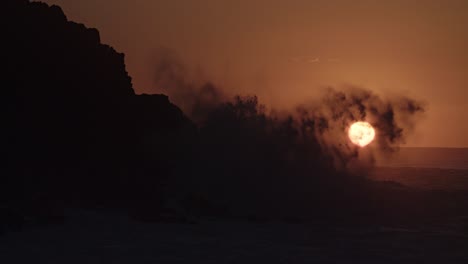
<point>74,129</point>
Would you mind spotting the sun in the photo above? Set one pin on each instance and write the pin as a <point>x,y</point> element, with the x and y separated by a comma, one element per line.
<point>361,133</point>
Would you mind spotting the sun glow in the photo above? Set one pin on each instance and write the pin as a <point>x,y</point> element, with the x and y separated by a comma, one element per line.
<point>361,133</point>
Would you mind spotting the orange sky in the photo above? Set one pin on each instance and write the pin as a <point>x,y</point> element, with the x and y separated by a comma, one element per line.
<point>285,51</point>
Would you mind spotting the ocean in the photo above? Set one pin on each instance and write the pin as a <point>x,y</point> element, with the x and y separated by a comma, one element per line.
<point>439,158</point>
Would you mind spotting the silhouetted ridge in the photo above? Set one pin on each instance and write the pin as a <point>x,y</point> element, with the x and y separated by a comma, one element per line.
<point>63,53</point>
<point>76,132</point>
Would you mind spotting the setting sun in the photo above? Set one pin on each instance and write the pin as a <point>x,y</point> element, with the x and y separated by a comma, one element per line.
<point>361,133</point>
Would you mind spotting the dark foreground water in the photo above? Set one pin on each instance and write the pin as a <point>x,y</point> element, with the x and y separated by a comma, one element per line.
<point>99,237</point>
<point>105,238</point>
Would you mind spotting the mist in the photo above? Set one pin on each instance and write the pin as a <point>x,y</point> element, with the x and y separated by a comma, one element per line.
<point>257,158</point>
<point>324,119</point>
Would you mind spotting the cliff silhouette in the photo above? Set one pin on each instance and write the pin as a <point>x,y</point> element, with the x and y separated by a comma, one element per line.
<point>74,129</point>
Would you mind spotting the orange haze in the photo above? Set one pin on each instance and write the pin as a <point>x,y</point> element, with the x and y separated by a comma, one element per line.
<point>284,51</point>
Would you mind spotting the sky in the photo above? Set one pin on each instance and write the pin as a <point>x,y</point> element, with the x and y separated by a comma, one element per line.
<point>287,51</point>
